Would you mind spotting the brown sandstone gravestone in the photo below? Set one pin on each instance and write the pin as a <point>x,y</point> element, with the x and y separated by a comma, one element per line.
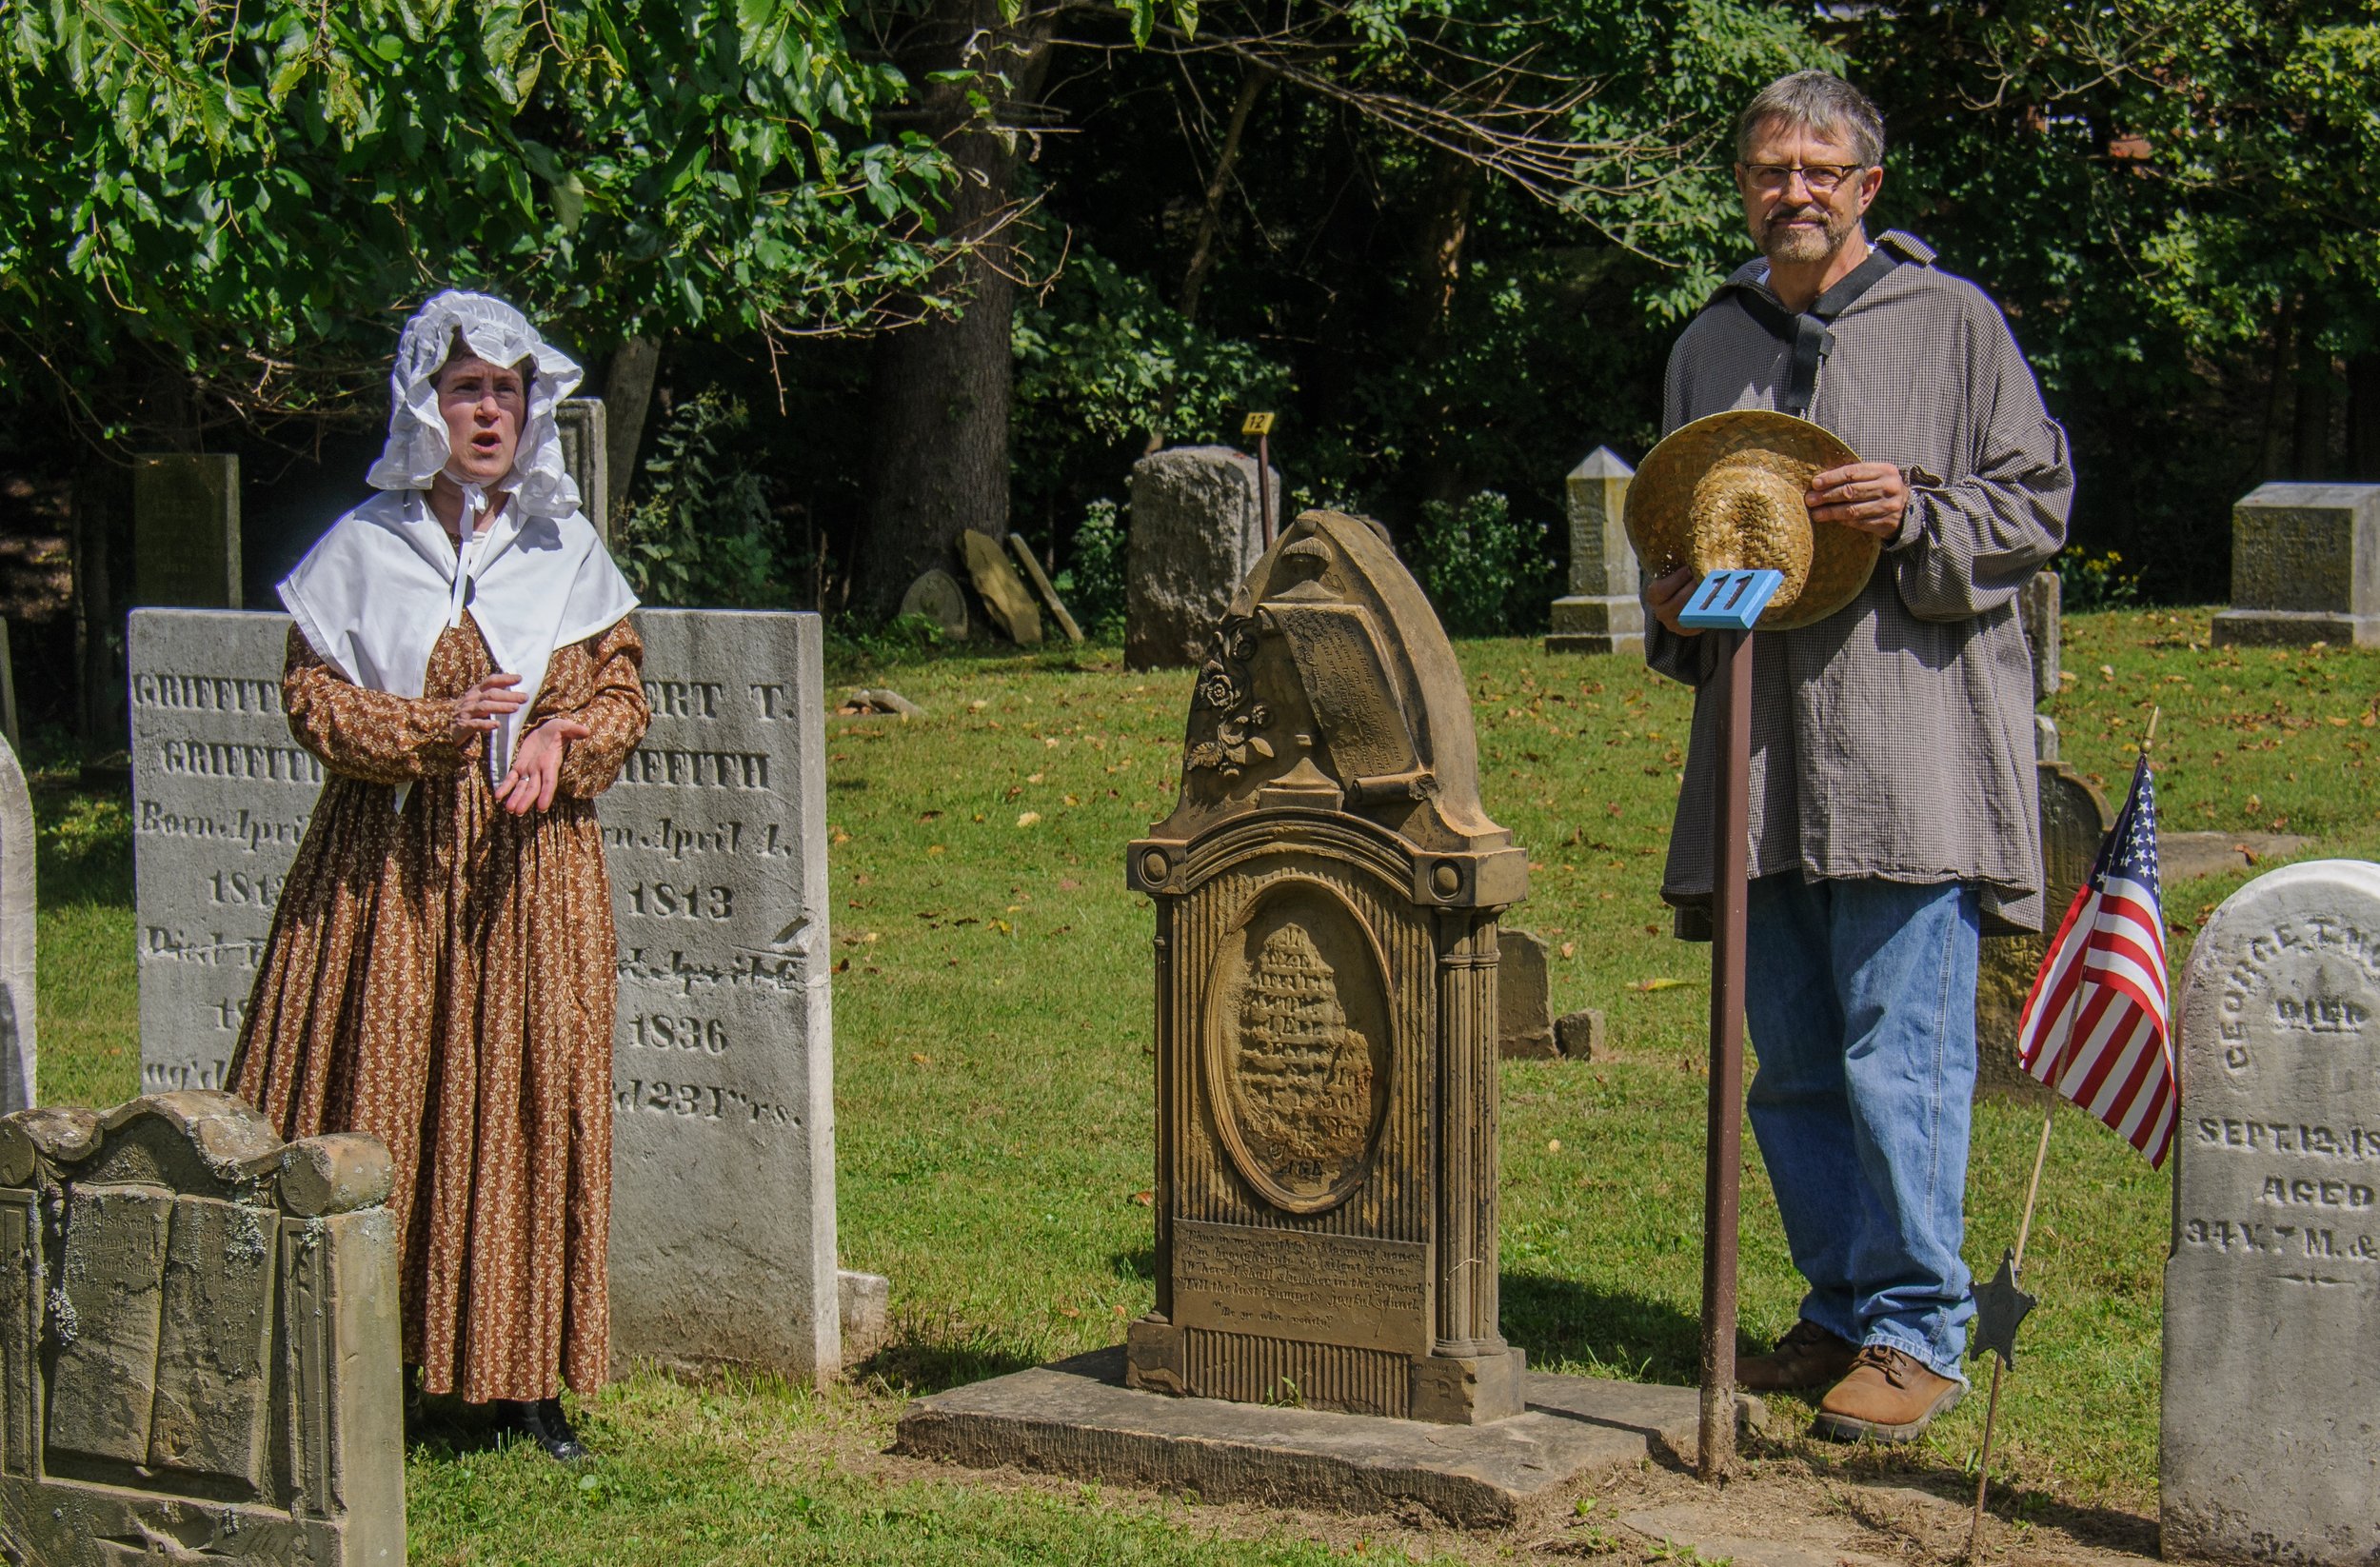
<point>1524,997</point>
<point>1327,895</point>
<point>17,1052</point>
<point>198,1340</point>
<point>2270,1416</point>
<point>1002,591</point>
<point>1196,530</point>
<point>2074,820</point>
<point>186,530</point>
<point>938,597</point>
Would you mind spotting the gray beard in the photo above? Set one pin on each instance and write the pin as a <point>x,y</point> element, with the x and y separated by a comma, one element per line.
<point>1800,246</point>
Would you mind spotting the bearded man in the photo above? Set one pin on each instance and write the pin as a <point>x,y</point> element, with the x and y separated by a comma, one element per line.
<point>1893,814</point>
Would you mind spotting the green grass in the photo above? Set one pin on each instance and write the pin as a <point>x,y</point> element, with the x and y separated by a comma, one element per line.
<point>994,1099</point>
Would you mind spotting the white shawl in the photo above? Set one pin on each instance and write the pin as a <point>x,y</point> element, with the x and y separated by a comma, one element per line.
<point>374,593</point>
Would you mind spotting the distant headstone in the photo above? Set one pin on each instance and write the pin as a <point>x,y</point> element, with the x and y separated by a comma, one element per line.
<point>714,838</point>
<point>1042,587</point>
<point>1583,1036</point>
<point>17,1052</point>
<point>2044,621</point>
<point>938,596</point>
<point>1196,529</point>
<point>1602,613</point>
<point>1524,996</point>
<point>2271,1449</point>
<point>2074,820</point>
<point>1002,591</point>
<point>207,1318</point>
<point>585,451</point>
<point>1328,888</point>
<point>186,530</point>
<point>2304,566</point>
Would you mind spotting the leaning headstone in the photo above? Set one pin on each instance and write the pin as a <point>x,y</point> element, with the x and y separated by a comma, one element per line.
<point>714,838</point>
<point>1042,588</point>
<point>2271,1447</point>
<point>17,1054</point>
<point>1316,1230</point>
<point>2304,566</point>
<point>2044,621</point>
<point>1524,997</point>
<point>207,1320</point>
<point>1002,591</point>
<point>1197,529</point>
<point>1602,613</point>
<point>939,597</point>
<point>186,530</point>
<point>2074,820</point>
<point>581,422</point>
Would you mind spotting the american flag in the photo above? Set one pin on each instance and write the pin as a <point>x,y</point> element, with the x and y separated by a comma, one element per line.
<point>2095,1027</point>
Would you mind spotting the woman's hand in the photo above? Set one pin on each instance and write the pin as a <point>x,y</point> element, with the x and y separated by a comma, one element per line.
<point>477,709</point>
<point>537,766</point>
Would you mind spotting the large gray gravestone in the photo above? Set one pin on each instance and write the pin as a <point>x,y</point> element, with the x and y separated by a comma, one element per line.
<point>1602,613</point>
<point>2074,820</point>
<point>198,1342</point>
<point>2271,1394</point>
<point>585,451</point>
<point>1196,531</point>
<point>17,1055</point>
<point>2305,565</point>
<point>186,530</point>
<point>714,838</point>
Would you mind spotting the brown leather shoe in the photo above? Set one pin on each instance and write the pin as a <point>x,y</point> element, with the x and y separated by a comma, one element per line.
<point>1887,1398</point>
<point>1805,1358</point>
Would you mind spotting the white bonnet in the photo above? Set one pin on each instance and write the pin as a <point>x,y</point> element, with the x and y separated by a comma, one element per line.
<point>501,335</point>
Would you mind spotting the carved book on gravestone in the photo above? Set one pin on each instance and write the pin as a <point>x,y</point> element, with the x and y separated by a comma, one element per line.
<point>1327,893</point>
<point>2270,1443</point>
<point>198,1340</point>
<point>714,840</point>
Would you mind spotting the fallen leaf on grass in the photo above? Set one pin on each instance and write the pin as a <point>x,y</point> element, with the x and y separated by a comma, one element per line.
<point>1662,984</point>
<point>1145,1199</point>
<point>1570,949</point>
<point>1069,1311</point>
<point>843,967</point>
<point>934,849</point>
<point>838,836</point>
<point>1026,819</point>
<point>1068,885</point>
<point>920,1058</point>
<point>1033,778</point>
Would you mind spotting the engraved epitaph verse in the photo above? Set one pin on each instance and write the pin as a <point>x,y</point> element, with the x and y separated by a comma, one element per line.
<point>1324,1289</point>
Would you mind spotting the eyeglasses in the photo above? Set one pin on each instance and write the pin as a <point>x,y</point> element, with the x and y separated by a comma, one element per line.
<point>1822,178</point>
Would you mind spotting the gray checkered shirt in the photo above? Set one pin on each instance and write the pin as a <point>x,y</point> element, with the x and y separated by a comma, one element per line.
<point>1894,738</point>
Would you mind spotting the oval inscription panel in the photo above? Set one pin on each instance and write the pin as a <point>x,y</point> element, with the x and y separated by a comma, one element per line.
<point>1297,1046</point>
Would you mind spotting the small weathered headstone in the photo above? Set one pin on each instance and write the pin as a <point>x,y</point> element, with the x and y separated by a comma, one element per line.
<point>209,1319</point>
<point>1002,591</point>
<point>186,530</point>
<point>2270,1443</point>
<point>714,842</point>
<point>1039,579</point>
<point>938,596</point>
<point>1602,613</point>
<point>866,1303</point>
<point>2304,566</point>
<point>2041,607</point>
<point>585,452</point>
<point>1318,1231</point>
<point>1197,529</point>
<point>2074,820</point>
<point>1583,1036</point>
<point>1524,996</point>
<point>17,1052</point>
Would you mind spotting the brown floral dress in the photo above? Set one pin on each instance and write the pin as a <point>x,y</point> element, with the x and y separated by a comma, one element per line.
<point>443,976</point>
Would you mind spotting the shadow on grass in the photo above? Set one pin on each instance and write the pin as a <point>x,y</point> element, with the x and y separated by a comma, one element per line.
<point>1138,1262</point>
<point>1918,1468</point>
<point>1560,1322</point>
<point>919,1367</point>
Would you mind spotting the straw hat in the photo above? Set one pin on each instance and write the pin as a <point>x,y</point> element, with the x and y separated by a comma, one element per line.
<point>1724,493</point>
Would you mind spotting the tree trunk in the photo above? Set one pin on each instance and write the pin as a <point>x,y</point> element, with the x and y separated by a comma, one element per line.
<point>940,389</point>
<point>1441,230</point>
<point>1211,215</point>
<point>627,397</point>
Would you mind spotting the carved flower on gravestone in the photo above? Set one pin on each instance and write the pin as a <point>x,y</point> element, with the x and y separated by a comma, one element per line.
<point>1216,687</point>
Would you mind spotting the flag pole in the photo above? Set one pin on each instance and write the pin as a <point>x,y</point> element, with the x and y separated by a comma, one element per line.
<point>2024,1228</point>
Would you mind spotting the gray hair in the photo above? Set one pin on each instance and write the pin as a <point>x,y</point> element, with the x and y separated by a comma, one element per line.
<point>1816,100</point>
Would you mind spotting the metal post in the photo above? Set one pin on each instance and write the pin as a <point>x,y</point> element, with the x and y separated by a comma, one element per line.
<point>1723,1136</point>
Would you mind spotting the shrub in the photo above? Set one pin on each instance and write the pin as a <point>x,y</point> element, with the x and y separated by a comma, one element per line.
<point>700,531</point>
<point>1486,574</point>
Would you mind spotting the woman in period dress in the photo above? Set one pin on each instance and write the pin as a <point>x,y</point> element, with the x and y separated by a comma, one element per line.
<point>440,972</point>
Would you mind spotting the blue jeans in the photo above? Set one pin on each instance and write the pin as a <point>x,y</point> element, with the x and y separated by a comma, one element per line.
<point>1861,999</point>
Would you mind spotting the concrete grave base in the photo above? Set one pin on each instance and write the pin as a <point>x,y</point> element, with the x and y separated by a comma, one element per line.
<point>1076,1418</point>
<point>2294,628</point>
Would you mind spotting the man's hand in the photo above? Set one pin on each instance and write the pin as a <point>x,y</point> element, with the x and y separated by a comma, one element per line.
<point>477,709</point>
<point>537,766</point>
<point>1666,594</point>
<point>1868,498</point>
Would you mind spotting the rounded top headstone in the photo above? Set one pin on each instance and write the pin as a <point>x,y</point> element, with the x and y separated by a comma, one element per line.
<point>2279,1001</point>
<point>938,597</point>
